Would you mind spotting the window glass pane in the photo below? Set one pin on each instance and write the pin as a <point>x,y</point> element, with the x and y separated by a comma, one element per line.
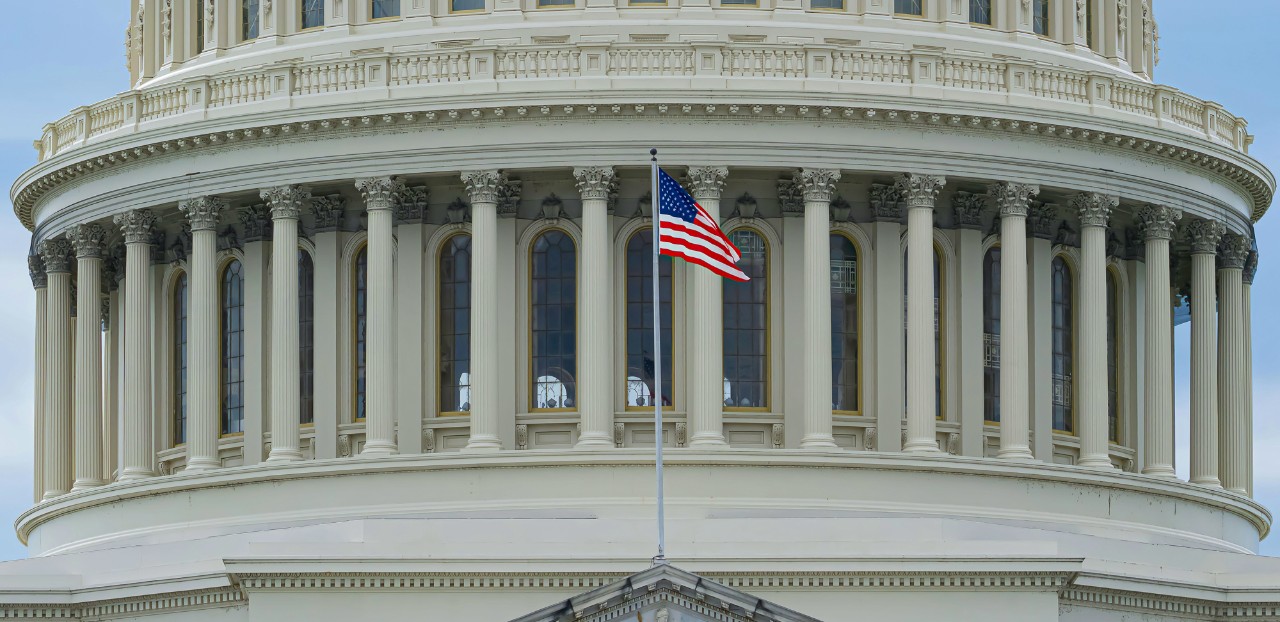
<point>1088,22</point>
<point>1040,17</point>
<point>232,349</point>
<point>466,5</point>
<point>554,320</point>
<point>991,335</point>
<point>199,13</point>
<point>361,323</point>
<point>306,337</point>
<point>844,325</point>
<point>312,14</point>
<point>640,362</point>
<point>908,7</point>
<point>385,8</point>
<point>249,19</point>
<point>837,5</point>
<point>180,302</point>
<point>1113,363</point>
<point>746,330</point>
<point>739,2</point>
<point>455,325</point>
<point>980,12</point>
<point>1063,364</point>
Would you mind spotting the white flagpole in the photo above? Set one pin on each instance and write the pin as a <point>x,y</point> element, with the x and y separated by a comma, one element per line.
<point>655,208</point>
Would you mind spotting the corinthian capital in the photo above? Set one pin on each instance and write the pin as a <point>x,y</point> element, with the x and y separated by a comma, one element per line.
<point>920,190</point>
<point>817,184</point>
<point>885,202</point>
<point>1159,221</point>
<point>203,212</point>
<point>1094,208</point>
<point>88,240</point>
<point>1205,235</point>
<point>595,182</point>
<point>484,186</point>
<point>137,226</point>
<point>379,192</point>
<point>1233,251</point>
<point>285,202</point>
<point>1250,267</point>
<point>35,266</point>
<point>1013,199</point>
<point>968,208</point>
<point>707,182</point>
<point>56,254</point>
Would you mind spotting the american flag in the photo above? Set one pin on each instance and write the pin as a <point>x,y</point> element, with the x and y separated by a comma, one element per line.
<point>688,232</point>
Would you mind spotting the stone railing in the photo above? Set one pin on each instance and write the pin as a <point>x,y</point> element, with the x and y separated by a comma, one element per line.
<point>807,69</point>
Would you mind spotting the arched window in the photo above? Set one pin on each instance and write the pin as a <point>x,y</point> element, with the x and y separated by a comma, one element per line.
<point>232,297</point>
<point>991,335</point>
<point>249,17</point>
<point>939,330</point>
<point>845,372</point>
<point>553,313</point>
<point>1040,17</point>
<point>180,302</point>
<point>306,337</point>
<point>360,322</point>
<point>640,367</point>
<point>1113,360</point>
<point>746,325</point>
<point>908,7</point>
<point>1063,364</point>
<point>980,12</point>
<point>455,325</point>
<point>380,9</point>
<point>312,14</point>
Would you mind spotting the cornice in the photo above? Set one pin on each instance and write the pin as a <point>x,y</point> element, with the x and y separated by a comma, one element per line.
<point>56,173</point>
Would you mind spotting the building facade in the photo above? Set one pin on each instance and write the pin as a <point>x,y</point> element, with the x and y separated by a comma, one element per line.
<point>343,309</point>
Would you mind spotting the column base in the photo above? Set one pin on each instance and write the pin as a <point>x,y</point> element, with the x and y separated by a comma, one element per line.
<point>50,495</point>
<point>819,442</point>
<point>82,484</point>
<point>202,464</point>
<point>1096,462</point>
<point>1016,453</point>
<point>594,440</point>
<point>921,446</point>
<point>284,455</point>
<point>1160,470</point>
<point>133,473</point>
<point>484,443</point>
<point>379,449</point>
<point>1208,482</point>
<point>708,441</point>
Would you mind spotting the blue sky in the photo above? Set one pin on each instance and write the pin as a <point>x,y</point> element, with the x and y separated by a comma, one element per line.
<point>1222,51</point>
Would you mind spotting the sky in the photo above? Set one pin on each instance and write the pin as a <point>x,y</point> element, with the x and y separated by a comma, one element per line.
<point>1221,51</point>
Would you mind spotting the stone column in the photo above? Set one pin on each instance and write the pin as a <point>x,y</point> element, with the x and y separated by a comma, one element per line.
<point>706,329</point>
<point>1159,223</point>
<point>285,203</point>
<point>88,241</point>
<point>1094,210</point>
<point>1250,270</point>
<point>1042,219</point>
<point>818,186</point>
<point>203,328</point>
<point>40,282</point>
<point>595,400</point>
<point>1232,431</point>
<point>887,338</point>
<point>484,188</point>
<point>111,322</point>
<point>56,254</point>
<point>1013,200</point>
<point>380,433</point>
<point>920,192</point>
<point>137,227</point>
<point>1204,235</point>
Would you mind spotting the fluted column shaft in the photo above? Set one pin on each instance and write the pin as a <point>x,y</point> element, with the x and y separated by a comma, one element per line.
<point>1013,200</point>
<point>818,186</point>
<point>88,242</point>
<point>40,281</point>
<point>380,434</point>
<point>484,188</point>
<point>1204,354</point>
<point>706,326</point>
<point>286,400</point>
<point>137,226</point>
<point>595,400</point>
<point>1232,425</point>
<point>1095,211</point>
<point>921,191</point>
<point>57,386</point>
<point>1246,304</point>
<point>1158,223</point>
<point>203,364</point>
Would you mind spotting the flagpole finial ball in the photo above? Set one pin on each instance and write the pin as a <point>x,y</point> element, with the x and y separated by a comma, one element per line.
<point>653,152</point>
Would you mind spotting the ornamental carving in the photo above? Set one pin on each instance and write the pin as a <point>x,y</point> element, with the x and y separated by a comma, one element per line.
<point>113,268</point>
<point>1040,218</point>
<point>483,186</point>
<point>682,434</point>
<point>968,208</point>
<point>285,202</point>
<point>166,27</point>
<point>411,204</point>
<point>1251,267</point>
<point>137,226</point>
<point>1094,208</point>
<point>328,211</point>
<point>458,212</point>
<point>620,435</point>
<point>869,439</point>
<point>203,212</point>
<point>1233,251</point>
<point>953,443</point>
<point>920,191</point>
<point>1113,246</point>
<point>157,246</point>
<point>595,183</point>
<point>379,192</point>
<point>104,313</point>
<point>56,255</point>
<point>1159,221</point>
<point>1013,199</point>
<point>522,436</point>
<point>1205,235</point>
<point>778,436</point>
<point>1067,235</point>
<point>228,239</point>
<point>707,182</point>
<point>429,440</point>
<point>255,222</point>
<point>88,240</point>
<point>35,267</point>
<point>817,184</point>
<point>746,206</point>
<point>552,207</point>
<point>886,203</point>
<point>841,210</point>
<point>509,197</point>
<point>181,247</point>
<point>644,206</point>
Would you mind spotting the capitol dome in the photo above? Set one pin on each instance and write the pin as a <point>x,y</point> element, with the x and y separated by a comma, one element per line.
<point>344,312</point>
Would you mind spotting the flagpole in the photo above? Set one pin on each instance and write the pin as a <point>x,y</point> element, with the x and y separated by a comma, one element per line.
<point>655,209</point>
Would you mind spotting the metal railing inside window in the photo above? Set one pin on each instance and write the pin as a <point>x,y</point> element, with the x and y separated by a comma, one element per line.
<point>991,335</point>
<point>844,325</point>
<point>455,325</point>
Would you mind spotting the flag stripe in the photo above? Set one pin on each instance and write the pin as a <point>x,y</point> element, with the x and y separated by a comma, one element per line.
<point>691,236</point>
<point>728,271</point>
<point>687,231</point>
